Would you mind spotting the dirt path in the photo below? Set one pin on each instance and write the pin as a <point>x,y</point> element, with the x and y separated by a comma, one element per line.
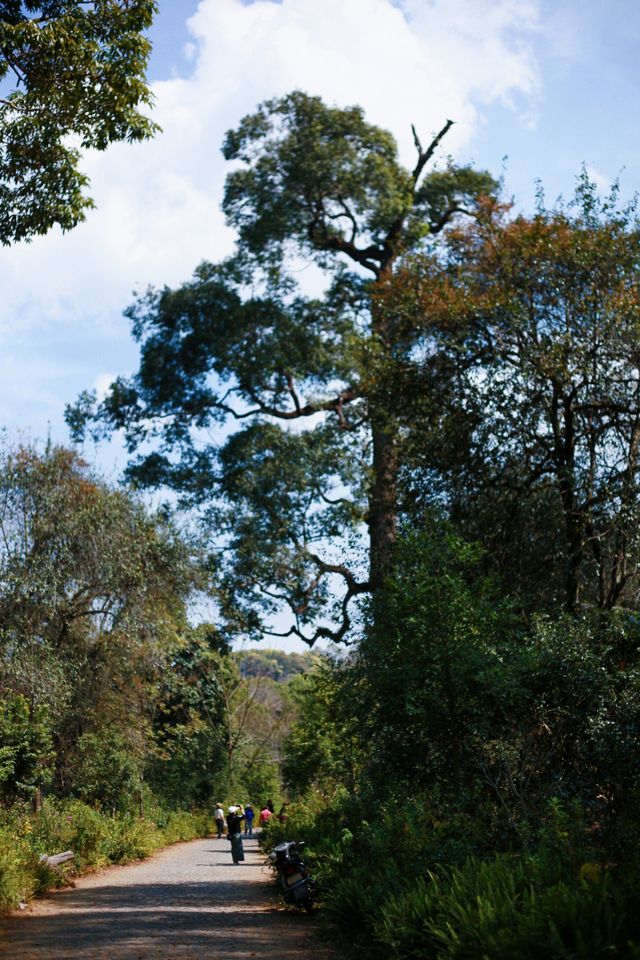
<point>187,903</point>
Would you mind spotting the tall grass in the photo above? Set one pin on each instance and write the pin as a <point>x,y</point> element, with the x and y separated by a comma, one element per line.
<point>501,909</point>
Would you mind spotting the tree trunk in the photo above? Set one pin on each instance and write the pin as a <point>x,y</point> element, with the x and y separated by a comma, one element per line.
<point>383,497</point>
<point>383,503</point>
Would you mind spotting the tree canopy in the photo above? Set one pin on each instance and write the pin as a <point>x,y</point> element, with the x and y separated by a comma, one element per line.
<point>72,77</point>
<point>534,439</point>
<point>92,595</point>
<point>242,344</point>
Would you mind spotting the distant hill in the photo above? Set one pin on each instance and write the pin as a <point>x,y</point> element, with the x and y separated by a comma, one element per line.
<point>275,664</point>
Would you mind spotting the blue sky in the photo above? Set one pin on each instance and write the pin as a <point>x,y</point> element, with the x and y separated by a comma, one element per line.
<point>587,57</point>
<point>548,85</point>
<point>586,53</point>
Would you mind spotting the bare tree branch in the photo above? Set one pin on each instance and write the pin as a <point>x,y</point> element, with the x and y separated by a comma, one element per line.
<point>336,404</point>
<point>425,155</point>
<point>292,390</point>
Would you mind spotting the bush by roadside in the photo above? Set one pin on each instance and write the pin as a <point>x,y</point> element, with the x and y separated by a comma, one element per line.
<point>405,885</point>
<point>97,839</point>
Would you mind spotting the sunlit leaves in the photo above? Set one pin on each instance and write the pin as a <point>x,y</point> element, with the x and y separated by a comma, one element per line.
<point>71,78</point>
<point>92,592</point>
<point>537,320</point>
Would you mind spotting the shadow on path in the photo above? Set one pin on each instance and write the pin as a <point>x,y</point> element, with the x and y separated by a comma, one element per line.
<point>158,911</point>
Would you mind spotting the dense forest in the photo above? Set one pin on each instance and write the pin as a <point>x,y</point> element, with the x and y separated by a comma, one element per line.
<point>433,466</point>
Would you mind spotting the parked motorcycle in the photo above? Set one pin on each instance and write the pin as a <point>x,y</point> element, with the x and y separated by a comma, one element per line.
<point>297,887</point>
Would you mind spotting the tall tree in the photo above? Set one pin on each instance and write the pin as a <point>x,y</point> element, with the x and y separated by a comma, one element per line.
<point>317,185</point>
<point>539,317</point>
<point>92,605</point>
<point>72,77</point>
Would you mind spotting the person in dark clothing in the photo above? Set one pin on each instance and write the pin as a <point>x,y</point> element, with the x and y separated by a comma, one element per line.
<point>235,816</point>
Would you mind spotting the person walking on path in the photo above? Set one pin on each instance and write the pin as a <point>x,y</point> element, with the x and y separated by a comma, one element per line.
<point>248,820</point>
<point>265,816</point>
<point>235,816</point>
<point>219,817</point>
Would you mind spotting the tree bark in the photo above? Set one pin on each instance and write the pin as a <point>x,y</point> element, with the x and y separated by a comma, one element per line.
<point>383,502</point>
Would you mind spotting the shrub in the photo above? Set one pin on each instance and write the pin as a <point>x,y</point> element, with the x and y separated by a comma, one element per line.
<point>132,839</point>
<point>182,825</point>
<point>96,839</point>
<point>25,746</point>
<point>72,825</point>
<point>105,771</point>
<point>18,879</point>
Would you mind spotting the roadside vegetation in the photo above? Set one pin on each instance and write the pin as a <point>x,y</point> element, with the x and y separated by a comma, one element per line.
<point>97,839</point>
<point>121,724</point>
<point>467,783</point>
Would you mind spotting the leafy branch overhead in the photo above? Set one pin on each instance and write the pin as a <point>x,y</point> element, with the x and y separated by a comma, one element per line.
<point>72,77</point>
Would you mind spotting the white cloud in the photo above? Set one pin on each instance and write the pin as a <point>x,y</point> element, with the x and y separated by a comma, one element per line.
<point>102,383</point>
<point>157,216</point>
<point>603,183</point>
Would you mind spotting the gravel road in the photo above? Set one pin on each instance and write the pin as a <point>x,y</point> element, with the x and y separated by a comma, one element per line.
<point>189,902</point>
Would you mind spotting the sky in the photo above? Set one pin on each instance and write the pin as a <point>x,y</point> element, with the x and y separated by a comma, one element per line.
<point>536,89</point>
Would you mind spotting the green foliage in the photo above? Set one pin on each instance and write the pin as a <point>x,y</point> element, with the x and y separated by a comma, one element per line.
<point>317,175</point>
<point>365,851</point>
<point>258,782</point>
<point>189,762</point>
<point>531,330</point>
<point>217,732</point>
<point>180,825</point>
<point>96,838</point>
<point>71,825</point>
<point>298,154</point>
<point>241,342</point>
<point>105,771</point>
<point>504,909</point>
<point>78,70</point>
<point>487,714</point>
<point>276,664</point>
<point>326,744</point>
<point>132,839</point>
<point>92,593</point>
<point>104,682</point>
<point>400,883</point>
<point>491,372</point>
<point>466,721</point>
<point>435,662</point>
<point>25,746</point>
<point>316,821</point>
<point>18,875</point>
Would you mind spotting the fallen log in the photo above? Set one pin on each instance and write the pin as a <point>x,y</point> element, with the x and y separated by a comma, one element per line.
<point>57,859</point>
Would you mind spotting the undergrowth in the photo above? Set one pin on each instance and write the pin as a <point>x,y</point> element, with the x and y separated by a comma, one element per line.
<point>96,838</point>
<point>404,885</point>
